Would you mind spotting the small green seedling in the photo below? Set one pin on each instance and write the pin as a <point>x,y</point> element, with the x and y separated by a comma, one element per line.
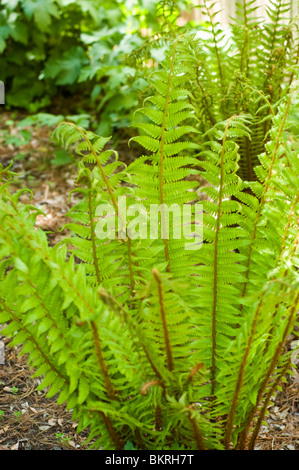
<point>18,414</point>
<point>62,438</point>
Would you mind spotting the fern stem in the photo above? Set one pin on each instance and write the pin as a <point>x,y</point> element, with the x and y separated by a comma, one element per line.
<point>245,45</point>
<point>92,237</point>
<point>100,166</point>
<point>265,406</point>
<point>262,200</point>
<point>274,33</point>
<point>194,371</point>
<point>229,423</point>
<point>131,272</point>
<point>33,340</point>
<point>204,99</point>
<point>110,391</point>
<point>114,202</point>
<point>140,444</point>
<point>158,418</point>
<point>109,388</point>
<point>295,64</point>
<point>244,433</point>
<point>215,43</point>
<point>111,302</point>
<point>162,156</point>
<point>196,431</point>
<point>271,368</point>
<point>291,214</point>
<point>111,430</point>
<point>170,363</point>
<point>262,95</point>
<point>151,383</point>
<point>250,171</point>
<point>215,261</point>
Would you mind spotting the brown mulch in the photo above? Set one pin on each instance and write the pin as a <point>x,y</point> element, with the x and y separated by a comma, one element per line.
<point>29,420</point>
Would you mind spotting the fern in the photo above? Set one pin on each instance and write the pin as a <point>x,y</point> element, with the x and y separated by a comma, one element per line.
<point>150,342</point>
<point>168,115</point>
<point>246,71</point>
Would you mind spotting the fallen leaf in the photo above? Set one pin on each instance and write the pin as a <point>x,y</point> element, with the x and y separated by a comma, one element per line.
<point>4,429</point>
<point>44,428</point>
<point>15,446</point>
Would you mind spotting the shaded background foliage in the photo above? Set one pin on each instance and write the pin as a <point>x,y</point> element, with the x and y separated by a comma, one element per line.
<point>66,53</point>
<point>91,57</point>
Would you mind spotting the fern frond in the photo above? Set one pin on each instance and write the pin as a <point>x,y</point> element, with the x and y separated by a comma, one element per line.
<point>168,110</point>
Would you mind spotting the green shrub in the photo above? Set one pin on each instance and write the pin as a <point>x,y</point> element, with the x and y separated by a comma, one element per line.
<point>62,48</point>
<point>153,345</point>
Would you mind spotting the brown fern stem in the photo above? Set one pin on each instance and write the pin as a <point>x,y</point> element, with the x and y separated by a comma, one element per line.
<point>103,367</point>
<point>93,241</point>
<point>111,194</point>
<point>109,388</point>
<point>162,157</point>
<point>230,418</point>
<point>271,369</point>
<point>270,69</point>
<point>117,307</point>
<point>204,99</point>
<point>215,262</point>
<point>211,19</point>
<point>111,430</point>
<point>262,200</point>
<point>99,165</point>
<point>131,272</point>
<point>151,383</point>
<point>196,431</point>
<point>33,340</point>
<point>296,63</point>
<point>291,215</point>
<point>250,171</point>
<point>158,418</point>
<point>245,45</point>
<point>265,406</point>
<point>170,362</point>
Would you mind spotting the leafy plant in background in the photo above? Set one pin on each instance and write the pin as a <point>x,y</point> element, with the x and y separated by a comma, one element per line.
<point>59,48</point>
<point>16,138</point>
<point>151,345</point>
<point>55,50</point>
<point>247,70</point>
